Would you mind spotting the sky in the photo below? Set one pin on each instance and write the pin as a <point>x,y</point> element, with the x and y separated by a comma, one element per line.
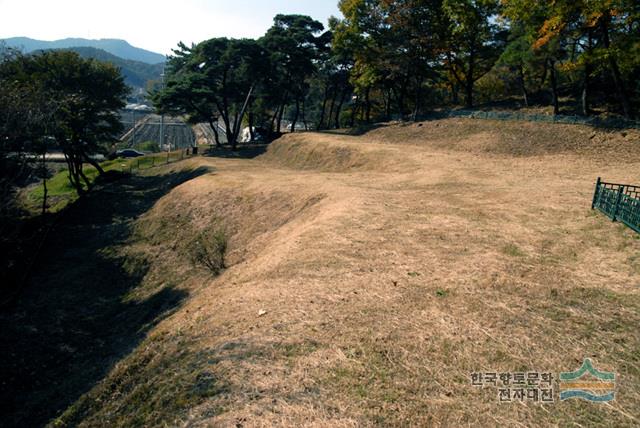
<point>154,25</point>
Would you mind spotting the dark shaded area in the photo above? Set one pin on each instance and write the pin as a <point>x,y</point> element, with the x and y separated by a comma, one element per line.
<point>243,151</point>
<point>494,113</point>
<point>72,322</point>
<point>356,131</point>
<point>19,234</point>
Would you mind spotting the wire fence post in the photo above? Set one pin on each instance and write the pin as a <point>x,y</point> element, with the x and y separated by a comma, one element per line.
<point>596,194</point>
<point>618,199</point>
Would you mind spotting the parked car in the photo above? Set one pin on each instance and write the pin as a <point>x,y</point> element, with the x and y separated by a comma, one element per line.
<point>129,153</point>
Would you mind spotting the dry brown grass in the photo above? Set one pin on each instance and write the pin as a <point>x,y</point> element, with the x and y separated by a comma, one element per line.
<point>391,266</point>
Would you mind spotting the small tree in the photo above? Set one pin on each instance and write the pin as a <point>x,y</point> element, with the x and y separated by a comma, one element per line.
<point>27,114</point>
<point>87,96</point>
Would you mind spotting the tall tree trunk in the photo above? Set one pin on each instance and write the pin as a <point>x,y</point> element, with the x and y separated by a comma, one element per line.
<point>586,90</point>
<point>324,107</point>
<point>74,162</point>
<point>367,103</point>
<point>543,76</point>
<point>224,112</point>
<point>554,87</point>
<point>44,182</point>
<point>334,95</point>
<point>388,104</point>
<point>251,127</point>
<point>84,177</point>
<point>401,95</point>
<point>235,130</point>
<point>295,115</point>
<point>272,123</point>
<point>228,128</point>
<point>74,179</point>
<point>613,64</point>
<point>455,99</point>
<point>469,77</point>
<point>304,114</point>
<point>339,107</point>
<point>354,111</point>
<point>214,128</point>
<point>237,126</point>
<point>468,93</point>
<point>280,114</point>
<point>93,163</point>
<point>523,85</point>
<point>418,100</point>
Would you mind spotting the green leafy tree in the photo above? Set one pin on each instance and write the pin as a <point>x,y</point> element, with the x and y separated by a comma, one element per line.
<point>87,94</point>
<point>543,29</point>
<point>294,43</point>
<point>336,63</point>
<point>26,113</point>
<point>599,38</point>
<point>474,41</point>
<point>519,57</point>
<point>365,34</point>
<point>612,30</point>
<point>397,45</point>
<point>416,26</point>
<point>214,80</point>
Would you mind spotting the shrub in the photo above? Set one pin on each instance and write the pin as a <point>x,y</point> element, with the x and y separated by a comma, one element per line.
<point>149,146</point>
<point>208,250</point>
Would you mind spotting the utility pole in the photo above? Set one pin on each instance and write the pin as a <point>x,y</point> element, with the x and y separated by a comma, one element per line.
<point>133,136</point>
<point>162,133</point>
<point>162,119</point>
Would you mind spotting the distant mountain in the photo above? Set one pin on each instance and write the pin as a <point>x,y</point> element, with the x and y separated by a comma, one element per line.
<point>135,73</point>
<point>119,48</point>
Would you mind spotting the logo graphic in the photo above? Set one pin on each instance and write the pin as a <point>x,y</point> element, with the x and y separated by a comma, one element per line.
<point>598,387</point>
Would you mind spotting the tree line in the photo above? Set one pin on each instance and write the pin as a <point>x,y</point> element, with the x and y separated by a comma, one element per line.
<point>398,59</point>
<point>381,60</point>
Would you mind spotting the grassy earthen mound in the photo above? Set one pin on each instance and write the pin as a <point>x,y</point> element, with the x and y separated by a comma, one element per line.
<point>513,138</point>
<point>366,277</point>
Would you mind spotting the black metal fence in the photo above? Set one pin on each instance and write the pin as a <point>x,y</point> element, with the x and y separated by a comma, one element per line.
<point>158,159</point>
<point>619,202</point>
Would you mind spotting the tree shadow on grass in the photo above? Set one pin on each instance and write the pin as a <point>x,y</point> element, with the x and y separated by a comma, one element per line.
<point>356,131</point>
<point>244,151</point>
<point>73,321</point>
<point>505,112</point>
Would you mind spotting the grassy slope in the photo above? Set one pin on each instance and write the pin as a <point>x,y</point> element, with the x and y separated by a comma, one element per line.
<point>60,192</point>
<point>92,300</point>
<point>368,277</point>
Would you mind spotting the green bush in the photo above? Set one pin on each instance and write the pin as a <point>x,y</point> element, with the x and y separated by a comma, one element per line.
<point>208,250</point>
<point>149,146</point>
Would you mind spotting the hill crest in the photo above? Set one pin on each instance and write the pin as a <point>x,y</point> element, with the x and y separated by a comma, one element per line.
<point>117,47</point>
